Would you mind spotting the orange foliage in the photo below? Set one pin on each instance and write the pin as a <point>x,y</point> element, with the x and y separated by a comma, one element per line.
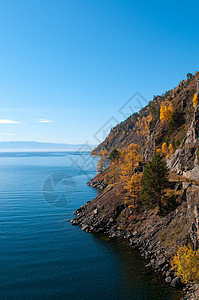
<point>142,125</point>
<point>166,151</point>
<point>166,111</point>
<point>134,189</point>
<point>195,99</point>
<point>186,264</point>
<point>131,180</point>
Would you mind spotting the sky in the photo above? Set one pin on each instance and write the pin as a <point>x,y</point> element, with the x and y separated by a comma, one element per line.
<point>72,69</point>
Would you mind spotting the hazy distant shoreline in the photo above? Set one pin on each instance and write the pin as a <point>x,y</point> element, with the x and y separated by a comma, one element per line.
<point>29,146</point>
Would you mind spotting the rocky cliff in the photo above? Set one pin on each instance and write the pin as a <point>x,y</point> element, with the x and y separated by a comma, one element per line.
<point>157,237</point>
<point>145,128</point>
<point>185,159</point>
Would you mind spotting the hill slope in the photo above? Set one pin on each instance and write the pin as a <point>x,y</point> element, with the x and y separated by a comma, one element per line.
<point>145,128</point>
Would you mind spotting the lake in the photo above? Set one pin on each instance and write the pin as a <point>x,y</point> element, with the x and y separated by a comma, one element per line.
<point>42,255</point>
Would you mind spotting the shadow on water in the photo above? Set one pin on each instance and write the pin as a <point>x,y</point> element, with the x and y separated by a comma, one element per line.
<point>136,282</point>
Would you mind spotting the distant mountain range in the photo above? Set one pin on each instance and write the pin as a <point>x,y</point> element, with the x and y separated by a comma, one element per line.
<point>39,146</point>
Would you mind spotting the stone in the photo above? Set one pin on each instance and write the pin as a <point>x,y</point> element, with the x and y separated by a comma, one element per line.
<point>168,279</point>
<point>176,282</point>
<point>161,262</point>
<point>84,227</point>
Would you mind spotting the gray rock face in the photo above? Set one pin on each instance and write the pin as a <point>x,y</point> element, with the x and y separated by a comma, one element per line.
<point>184,161</point>
<point>193,215</point>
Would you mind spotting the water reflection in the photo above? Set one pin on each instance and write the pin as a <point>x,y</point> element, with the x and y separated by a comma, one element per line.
<point>136,282</point>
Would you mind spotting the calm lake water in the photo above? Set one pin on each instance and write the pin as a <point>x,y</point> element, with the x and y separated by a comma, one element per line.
<point>42,256</point>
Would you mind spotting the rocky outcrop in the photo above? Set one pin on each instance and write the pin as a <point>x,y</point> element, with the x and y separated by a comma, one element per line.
<point>191,292</point>
<point>97,183</point>
<point>101,214</point>
<point>185,159</point>
<point>192,195</point>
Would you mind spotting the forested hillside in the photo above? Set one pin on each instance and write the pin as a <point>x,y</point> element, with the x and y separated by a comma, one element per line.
<point>164,120</point>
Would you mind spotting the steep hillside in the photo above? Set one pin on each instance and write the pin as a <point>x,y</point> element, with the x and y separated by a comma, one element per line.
<point>168,125</point>
<point>146,129</point>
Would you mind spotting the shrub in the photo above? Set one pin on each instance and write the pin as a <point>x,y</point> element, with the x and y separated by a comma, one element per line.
<point>132,218</point>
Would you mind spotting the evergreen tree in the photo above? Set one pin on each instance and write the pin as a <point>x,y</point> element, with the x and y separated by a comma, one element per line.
<point>114,156</point>
<point>155,180</point>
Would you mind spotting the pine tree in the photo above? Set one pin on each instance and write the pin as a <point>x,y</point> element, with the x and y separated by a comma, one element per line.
<point>155,180</point>
<point>114,156</point>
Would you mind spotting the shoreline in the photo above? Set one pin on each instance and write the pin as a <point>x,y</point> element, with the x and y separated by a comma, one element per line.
<point>147,232</point>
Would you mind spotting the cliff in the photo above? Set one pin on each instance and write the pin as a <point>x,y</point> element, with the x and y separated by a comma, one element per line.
<point>145,128</point>
<point>157,236</point>
<point>185,159</point>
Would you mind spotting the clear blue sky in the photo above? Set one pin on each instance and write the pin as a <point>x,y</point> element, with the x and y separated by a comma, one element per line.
<point>76,62</point>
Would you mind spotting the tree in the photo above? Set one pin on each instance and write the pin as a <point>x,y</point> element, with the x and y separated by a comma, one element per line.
<point>189,76</point>
<point>171,150</point>
<point>102,163</point>
<point>155,180</point>
<point>114,156</point>
<point>164,148</point>
<point>130,162</point>
<point>186,264</point>
<point>111,178</point>
<point>166,111</point>
<point>134,188</point>
<point>195,99</point>
<point>129,176</point>
<point>165,151</point>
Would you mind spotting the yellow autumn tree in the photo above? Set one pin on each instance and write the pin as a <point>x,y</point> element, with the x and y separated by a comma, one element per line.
<point>134,189</point>
<point>131,181</point>
<point>101,164</point>
<point>195,99</point>
<point>164,148</point>
<point>159,150</point>
<point>104,152</point>
<point>171,149</point>
<point>142,125</point>
<point>186,264</point>
<point>166,151</point>
<point>166,111</point>
<point>130,161</point>
<point>112,174</point>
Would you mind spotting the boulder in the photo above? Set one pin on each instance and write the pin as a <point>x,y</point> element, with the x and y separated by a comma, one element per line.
<point>176,282</point>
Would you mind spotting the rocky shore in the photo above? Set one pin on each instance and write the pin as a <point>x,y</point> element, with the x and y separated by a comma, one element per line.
<point>157,237</point>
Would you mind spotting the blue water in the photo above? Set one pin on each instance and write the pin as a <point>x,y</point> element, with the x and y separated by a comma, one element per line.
<point>42,256</point>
